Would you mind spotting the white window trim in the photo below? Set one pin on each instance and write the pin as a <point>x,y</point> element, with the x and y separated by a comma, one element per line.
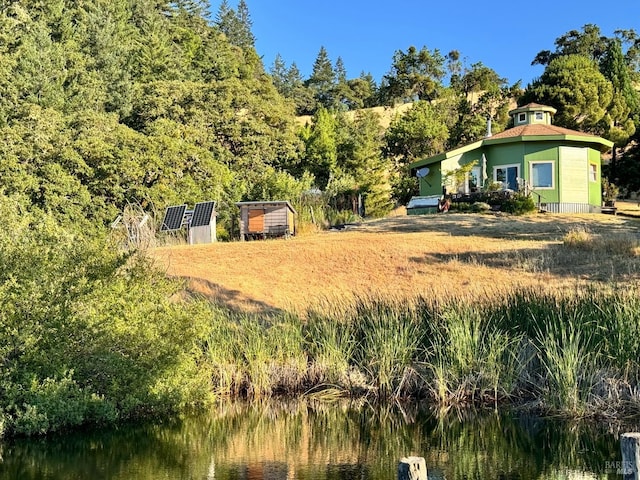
<point>511,165</point>
<point>522,117</point>
<point>593,180</point>
<point>553,174</point>
<point>466,187</point>
<point>539,116</point>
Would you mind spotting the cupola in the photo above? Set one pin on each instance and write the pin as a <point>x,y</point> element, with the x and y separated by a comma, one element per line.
<point>532,113</point>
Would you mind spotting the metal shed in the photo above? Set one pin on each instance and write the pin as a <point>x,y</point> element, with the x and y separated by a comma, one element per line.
<point>270,219</point>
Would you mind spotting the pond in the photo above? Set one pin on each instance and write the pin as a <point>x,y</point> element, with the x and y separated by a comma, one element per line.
<point>315,441</point>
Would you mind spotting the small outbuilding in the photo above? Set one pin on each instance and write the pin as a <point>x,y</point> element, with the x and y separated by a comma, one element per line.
<point>269,219</point>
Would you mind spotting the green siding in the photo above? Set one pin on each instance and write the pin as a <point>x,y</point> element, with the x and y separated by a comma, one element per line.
<point>521,153</point>
<point>540,152</point>
<point>503,155</point>
<point>595,188</point>
<point>432,183</point>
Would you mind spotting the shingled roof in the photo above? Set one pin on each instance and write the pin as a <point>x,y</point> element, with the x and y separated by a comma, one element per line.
<point>539,129</point>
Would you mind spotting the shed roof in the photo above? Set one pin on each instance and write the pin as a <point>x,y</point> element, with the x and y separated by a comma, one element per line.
<point>258,203</point>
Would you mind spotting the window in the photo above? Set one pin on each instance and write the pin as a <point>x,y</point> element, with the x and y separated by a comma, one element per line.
<point>475,182</point>
<point>507,175</point>
<point>542,175</point>
<point>522,117</point>
<point>539,116</point>
<point>593,172</point>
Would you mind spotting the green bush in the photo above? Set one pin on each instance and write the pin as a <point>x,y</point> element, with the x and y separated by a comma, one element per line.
<point>87,334</point>
<point>519,204</point>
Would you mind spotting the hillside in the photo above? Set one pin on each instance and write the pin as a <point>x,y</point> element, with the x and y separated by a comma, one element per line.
<point>402,256</point>
<point>386,114</point>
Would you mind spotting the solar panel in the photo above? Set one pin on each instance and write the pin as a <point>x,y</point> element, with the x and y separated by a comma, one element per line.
<point>173,218</point>
<point>202,214</point>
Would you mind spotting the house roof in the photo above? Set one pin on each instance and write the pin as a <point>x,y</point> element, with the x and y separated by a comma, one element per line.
<point>540,129</point>
<point>533,106</point>
<point>522,133</point>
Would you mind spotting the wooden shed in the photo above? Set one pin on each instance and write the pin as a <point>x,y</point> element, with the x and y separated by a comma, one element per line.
<point>270,219</point>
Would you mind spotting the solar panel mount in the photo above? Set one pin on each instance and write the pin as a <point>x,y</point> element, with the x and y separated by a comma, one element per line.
<point>173,218</point>
<point>202,214</point>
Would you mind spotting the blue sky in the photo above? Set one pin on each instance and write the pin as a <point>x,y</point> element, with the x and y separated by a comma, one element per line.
<point>503,35</point>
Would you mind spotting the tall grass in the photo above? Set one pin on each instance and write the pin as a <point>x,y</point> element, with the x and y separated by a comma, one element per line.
<point>389,337</point>
<point>574,353</point>
<point>331,344</point>
<point>472,359</point>
<point>256,356</point>
<point>564,354</point>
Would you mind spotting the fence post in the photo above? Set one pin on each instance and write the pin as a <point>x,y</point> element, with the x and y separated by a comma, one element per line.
<point>412,468</point>
<point>630,447</point>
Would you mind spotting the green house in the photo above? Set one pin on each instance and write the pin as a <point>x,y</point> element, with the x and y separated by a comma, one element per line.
<point>560,167</point>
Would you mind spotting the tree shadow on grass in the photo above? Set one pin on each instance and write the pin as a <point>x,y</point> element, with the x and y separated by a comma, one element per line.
<point>555,259</point>
<point>234,300</point>
<point>527,227</point>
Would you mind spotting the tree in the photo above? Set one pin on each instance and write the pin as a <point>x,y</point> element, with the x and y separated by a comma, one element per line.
<point>618,124</point>
<point>321,152</point>
<point>193,8</point>
<point>361,157</point>
<point>589,43</point>
<point>302,95</point>
<point>279,76</point>
<point>573,85</point>
<point>415,75</point>
<point>323,80</point>
<point>289,83</point>
<point>632,55</point>
<point>481,94</point>
<point>420,132</point>
<point>236,25</point>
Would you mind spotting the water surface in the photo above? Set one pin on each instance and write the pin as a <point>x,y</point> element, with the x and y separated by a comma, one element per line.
<point>312,441</point>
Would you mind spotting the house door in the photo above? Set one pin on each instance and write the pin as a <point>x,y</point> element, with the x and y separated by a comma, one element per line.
<point>507,175</point>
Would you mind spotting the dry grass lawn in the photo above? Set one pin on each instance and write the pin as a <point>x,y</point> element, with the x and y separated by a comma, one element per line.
<point>401,256</point>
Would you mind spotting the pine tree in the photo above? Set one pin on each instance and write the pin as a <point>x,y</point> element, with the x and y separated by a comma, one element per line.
<point>248,39</point>
<point>278,73</point>
<point>236,25</point>
<point>618,123</point>
<point>322,80</point>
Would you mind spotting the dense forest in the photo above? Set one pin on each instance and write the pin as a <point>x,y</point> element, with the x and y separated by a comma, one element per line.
<point>149,102</point>
<point>110,104</point>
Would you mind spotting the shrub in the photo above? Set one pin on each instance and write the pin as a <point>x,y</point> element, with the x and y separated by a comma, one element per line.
<point>88,334</point>
<point>519,204</point>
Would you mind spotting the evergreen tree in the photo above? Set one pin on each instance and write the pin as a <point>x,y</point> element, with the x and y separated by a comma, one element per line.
<point>415,75</point>
<point>322,80</point>
<point>420,132</point>
<point>589,43</point>
<point>248,39</point>
<point>302,95</point>
<point>193,8</point>
<point>618,124</point>
<point>236,25</point>
<point>321,152</point>
<point>574,86</point>
<point>278,73</point>
<point>361,157</point>
<point>480,94</point>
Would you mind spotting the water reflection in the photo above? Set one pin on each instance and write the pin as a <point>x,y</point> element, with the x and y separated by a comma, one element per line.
<point>309,441</point>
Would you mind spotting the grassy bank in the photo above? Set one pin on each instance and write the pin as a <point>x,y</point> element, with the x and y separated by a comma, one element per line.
<point>574,354</point>
<point>89,335</point>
